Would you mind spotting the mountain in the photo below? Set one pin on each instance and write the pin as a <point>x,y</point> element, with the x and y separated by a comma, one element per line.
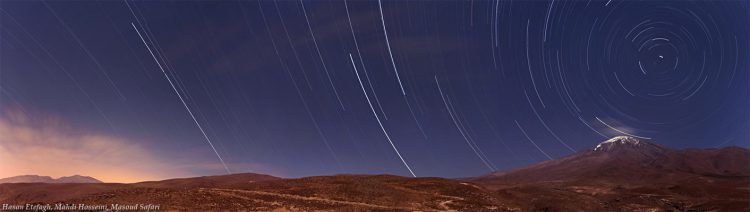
<point>27,179</point>
<point>628,159</point>
<point>619,174</point>
<point>47,179</point>
<point>77,179</point>
<point>209,181</point>
<point>56,192</point>
<point>629,173</point>
<point>257,192</point>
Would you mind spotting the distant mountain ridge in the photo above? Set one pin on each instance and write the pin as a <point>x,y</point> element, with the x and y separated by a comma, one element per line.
<point>48,179</point>
<point>620,174</point>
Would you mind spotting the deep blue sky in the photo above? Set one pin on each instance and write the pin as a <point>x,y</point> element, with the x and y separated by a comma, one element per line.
<point>559,71</point>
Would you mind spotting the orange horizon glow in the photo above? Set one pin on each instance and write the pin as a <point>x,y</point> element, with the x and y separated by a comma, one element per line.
<point>34,144</point>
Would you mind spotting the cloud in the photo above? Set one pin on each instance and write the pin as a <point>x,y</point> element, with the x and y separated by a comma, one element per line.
<point>43,144</point>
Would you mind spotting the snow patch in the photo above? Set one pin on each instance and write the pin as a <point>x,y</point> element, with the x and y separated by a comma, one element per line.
<point>619,140</point>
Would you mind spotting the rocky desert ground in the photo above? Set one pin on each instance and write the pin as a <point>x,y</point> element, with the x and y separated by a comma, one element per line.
<point>618,175</point>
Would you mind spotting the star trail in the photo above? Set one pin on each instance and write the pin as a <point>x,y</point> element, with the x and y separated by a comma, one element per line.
<point>413,88</point>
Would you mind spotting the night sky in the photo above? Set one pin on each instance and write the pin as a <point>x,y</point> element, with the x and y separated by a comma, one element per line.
<point>300,88</point>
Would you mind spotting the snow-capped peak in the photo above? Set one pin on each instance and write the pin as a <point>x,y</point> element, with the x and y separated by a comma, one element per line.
<point>619,140</point>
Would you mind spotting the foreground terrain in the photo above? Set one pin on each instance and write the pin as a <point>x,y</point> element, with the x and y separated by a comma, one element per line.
<point>621,174</point>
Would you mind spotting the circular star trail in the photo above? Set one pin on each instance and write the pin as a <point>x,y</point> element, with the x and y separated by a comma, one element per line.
<point>649,66</point>
<point>414,88</point>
